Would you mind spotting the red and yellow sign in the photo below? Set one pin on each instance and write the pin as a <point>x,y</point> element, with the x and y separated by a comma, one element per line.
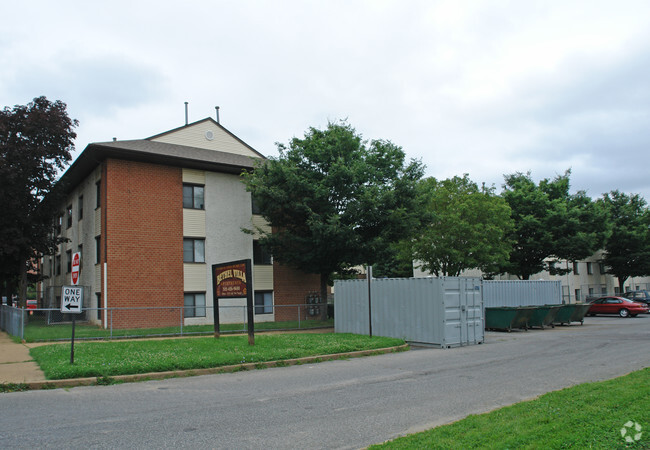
<point>230,280</point>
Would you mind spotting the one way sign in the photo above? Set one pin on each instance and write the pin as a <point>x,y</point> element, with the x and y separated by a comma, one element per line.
<point>71,298</point>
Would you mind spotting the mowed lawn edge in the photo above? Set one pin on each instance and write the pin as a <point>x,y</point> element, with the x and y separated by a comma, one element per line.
<point>589,415</point>
<point>105,359</point>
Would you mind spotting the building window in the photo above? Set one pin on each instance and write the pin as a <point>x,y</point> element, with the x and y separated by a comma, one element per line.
<point>194,250</point>
<point>81,254</point>
<point>575,268</point>
<point>193,196</point>
<point>617,290</point>
<point>260,255</point>
<point>264,302</point>
<point>578,295</point>
<point>590,269</point>
<point>195,305</point>
<point>603,290</point>
<point>98,187</point>
<point>81,207</point>
<point>58,264</point>
<point>68,261</point>
<point>69,215</point>
<point>601,268</point>
<point>98,248</point>
<point>591,291</point>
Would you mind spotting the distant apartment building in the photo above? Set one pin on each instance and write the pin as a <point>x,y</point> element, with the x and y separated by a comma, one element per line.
<point>151,216</point>
<point>587,278</point>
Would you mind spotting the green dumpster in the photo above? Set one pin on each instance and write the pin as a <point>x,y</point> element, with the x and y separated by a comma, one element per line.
<point>543,316</point>
<point>506,317</point>
<point>580,312</point>
<point>524,313</point>
<point>499,318</point>
<point>565,313</point>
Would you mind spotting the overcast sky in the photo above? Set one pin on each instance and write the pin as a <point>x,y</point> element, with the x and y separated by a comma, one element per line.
<point>480,87</point>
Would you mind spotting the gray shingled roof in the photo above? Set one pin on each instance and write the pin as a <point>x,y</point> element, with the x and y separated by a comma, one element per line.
<point>158,153</point>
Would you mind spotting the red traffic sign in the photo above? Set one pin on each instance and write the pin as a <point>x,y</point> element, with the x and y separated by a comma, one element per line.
<point>76,260</point>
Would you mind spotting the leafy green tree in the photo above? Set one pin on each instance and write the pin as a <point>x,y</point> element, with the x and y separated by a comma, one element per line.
<point>627,250</point>
<point>468,228</point>
<point>397,262</point>
<point>35,144</point>
<point>335,201</point>
<point>550,224</point>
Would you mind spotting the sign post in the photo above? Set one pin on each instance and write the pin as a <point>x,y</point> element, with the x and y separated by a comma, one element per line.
<point>234,280</point>
<point>71,300</point>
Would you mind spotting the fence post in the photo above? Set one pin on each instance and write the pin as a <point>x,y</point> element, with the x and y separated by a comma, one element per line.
<point>22,323</point>
<point>298,316</point>
<point>111,323</point>
<point>182,321</point>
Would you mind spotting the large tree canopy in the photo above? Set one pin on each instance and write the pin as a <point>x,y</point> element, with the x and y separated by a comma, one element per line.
<point>35,144</point>
<point>468,228</point>
<point>550,224</point>
<point>334,200</point>
<point>627,250</point>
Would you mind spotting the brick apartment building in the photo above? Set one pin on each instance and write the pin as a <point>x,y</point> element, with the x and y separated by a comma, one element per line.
<point>151,216</point>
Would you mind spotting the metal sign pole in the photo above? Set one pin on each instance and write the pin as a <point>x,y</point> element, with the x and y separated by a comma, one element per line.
<point>216,317</point>
<point>369,276</point>
<point>72,340</point>
<point>249,304</point>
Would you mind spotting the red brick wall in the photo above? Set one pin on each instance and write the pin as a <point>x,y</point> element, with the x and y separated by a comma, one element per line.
<point>144,241</point>
<point>291,287</point>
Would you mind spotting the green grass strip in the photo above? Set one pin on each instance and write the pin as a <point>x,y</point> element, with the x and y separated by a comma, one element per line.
<point>104,359</point>
<point>589,415</point>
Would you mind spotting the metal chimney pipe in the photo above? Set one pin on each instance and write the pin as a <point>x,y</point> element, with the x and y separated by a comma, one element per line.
<point>186,122</point>
<point>217,108</point>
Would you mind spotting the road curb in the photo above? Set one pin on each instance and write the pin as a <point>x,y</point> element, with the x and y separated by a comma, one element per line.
<point>94,381</point>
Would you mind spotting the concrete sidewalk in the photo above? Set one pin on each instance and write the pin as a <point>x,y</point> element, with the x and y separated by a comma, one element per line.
<point>16,365</point>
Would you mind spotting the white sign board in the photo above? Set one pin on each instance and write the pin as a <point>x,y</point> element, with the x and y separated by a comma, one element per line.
<point>76,260</point>
<point>71,298</point>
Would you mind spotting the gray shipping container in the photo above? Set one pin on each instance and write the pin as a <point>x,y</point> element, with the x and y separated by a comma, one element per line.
<point>442,312</point>
<point>521,293</point>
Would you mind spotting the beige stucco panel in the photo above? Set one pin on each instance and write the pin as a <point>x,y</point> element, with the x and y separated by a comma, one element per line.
<point>98,277</point>
<point>98,222</point>
<point>263,278</point>
<point>193,176</point>
<point>194,277</point>
<point>193,223</point>
<point>258,222</point>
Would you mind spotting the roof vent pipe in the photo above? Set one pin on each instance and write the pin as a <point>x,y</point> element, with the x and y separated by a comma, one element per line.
<point>217,108</point>
<point>186,122</point>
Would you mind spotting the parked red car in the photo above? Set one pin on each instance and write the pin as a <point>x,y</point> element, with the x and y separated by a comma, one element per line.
<point>617,305</point>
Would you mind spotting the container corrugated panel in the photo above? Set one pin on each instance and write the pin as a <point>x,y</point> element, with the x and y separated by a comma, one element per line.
<point>444,312</point>
<point>521,293</point>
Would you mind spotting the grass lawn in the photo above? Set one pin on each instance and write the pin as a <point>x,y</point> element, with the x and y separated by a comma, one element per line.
<point>590,415</point>
<point>38,331</point>
<point>104,359</point>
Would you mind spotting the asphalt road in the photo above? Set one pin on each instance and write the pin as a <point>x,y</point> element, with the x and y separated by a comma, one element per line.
<point>339,404</point>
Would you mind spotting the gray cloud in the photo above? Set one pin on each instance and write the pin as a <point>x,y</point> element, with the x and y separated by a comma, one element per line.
<point>92,86</point>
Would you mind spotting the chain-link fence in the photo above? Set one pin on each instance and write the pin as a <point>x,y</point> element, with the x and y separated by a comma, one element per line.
<point>50,324</point>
